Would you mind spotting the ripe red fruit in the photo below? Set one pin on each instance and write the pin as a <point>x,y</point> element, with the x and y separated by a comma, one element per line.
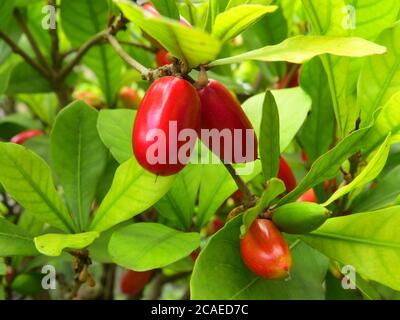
<point>214,226</point>
<point>220,110</point>
<point>21,137</point>
<point>309,196</point>
<point>129,98</point>
<point>286,175</point>
<point>133,282</point>
<point>162,58</point>
<point>170,106</point>
<point>265,251</point>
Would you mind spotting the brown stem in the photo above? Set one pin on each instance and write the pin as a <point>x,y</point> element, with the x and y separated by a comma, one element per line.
<point>17,50</point>
<point>55,41</point>
<point>127,58</point>
<point>139,45</point>
<point>108,281</point>
<point>247,195</point>
<point>31,39</point>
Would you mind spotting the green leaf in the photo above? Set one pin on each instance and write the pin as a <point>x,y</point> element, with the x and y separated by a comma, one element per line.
<point>133,191</point>
<point>368,241</point>
<point>25,79</point>
<point>53,244</point>
<point>327,166</point>
<point>167,8</point>
<point>274,188</point>
<point>6,8</point>
<point>269,137</point>
<point>293,106</point>
<point>380,77</point>
<point>232,22</point>
<point>209,280</point>
<point>191,45</point>
<point>115,129</point>
<point>213,8</point>
<point>234,3</point>
<point>300,49</point>
<point>42,105</point>
<point>384,194</point>
<point>14,241</point>
<point>178,205</point>
<point>369,173</point>
<point>387,121</point>
<point>148,246</point>
<point>78,157</point>
<point>28,179</point>
<point>317,133</point>
<point>102,59</point>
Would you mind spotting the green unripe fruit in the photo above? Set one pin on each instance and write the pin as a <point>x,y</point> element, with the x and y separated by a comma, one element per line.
<point>300,217</point>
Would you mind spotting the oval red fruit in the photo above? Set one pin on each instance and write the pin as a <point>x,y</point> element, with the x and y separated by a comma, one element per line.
<point>133,282</point>
<point>160,137</point>
<point>23,136</point>
<point>286,175</point>
<point>265,251</point>
<point>309,196</point>
<point>162,58</point>
<point>221,111</point>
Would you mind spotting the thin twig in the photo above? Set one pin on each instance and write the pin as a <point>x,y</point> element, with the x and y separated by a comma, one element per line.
<point>55,41</point>
<point>31,39</point>
<point>81,52</point>
<point>247,195</point>
<point>139,45</point>
<point>127,58</point>
<point>17,50</point>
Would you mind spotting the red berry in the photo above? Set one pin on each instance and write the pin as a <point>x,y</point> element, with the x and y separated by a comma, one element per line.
<point>129,98</point>
<point>21,137</point>
<point>162,58</point>
<point>221,111</point>
<point>309,196</point>
<point>265,251</point>
<point>133,282</point>
<point>286,175</point>
<point>170,106</point>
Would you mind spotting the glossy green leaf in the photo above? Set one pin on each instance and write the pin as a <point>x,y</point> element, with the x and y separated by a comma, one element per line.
<point>191,45</point>
<point>300,49</point>
<point>234,3</point>
<point>53,244</point>
<point>369,173</point>
<point>167,8</point>
<point>385,193</point>
<point>148,246</point>
<point>133,190</point>
<point>228,278</point>
<point>269,137</point>
<point>6,8</point>
<point>370,242</point>
<point>25,79</point>
<point>387,121</point>
<point>115,129</point>
<point>93,18</point>
<point>28,179</point>
<point>178,205</point>
<point>380,77</point>
<point>14,241</point>
<point>42,105</point>
<point>78,157</point>
<point>293,106</point>
<point>232,22</point>
<point>317,133</point>
<point>327,166</point>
